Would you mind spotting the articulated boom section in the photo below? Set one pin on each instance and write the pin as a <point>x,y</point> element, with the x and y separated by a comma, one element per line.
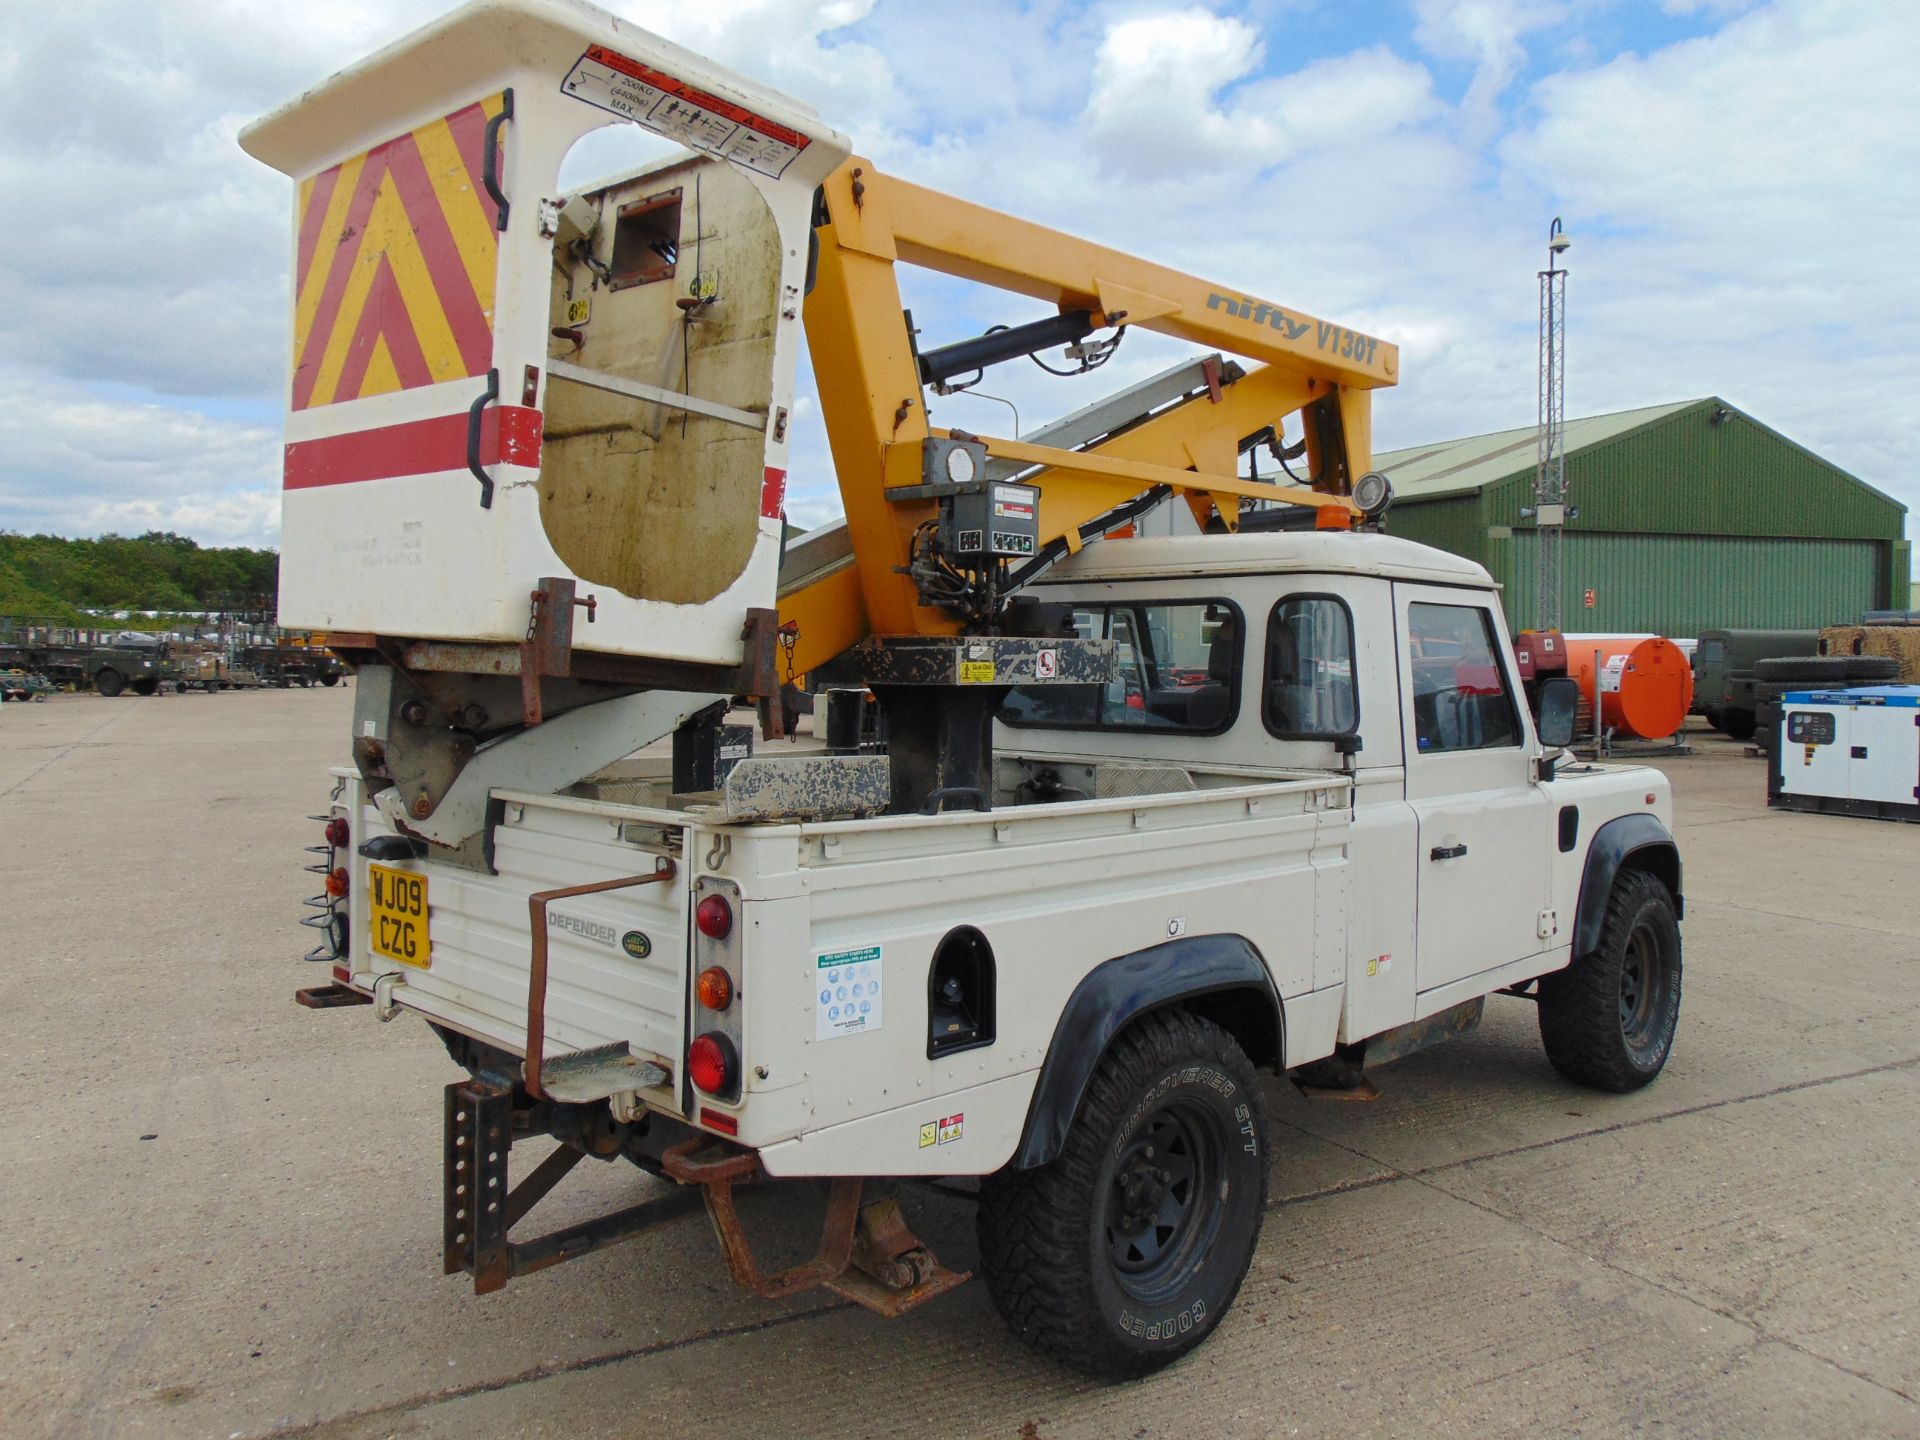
<point>872,380</point>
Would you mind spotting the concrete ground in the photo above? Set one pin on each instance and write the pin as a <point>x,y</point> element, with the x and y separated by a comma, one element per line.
<point>220,1211</point>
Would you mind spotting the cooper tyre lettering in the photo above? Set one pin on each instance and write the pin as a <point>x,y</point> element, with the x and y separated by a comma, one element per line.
<point>1120,1255</point>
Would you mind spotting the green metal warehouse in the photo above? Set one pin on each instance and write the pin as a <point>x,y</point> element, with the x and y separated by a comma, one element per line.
<point>1691,517</point>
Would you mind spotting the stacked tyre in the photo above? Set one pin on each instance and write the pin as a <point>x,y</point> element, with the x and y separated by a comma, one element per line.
<point>1775,678</point>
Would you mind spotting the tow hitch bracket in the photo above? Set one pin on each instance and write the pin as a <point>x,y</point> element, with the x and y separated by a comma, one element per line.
<point>479,1208</point>
<point>867,1254</point>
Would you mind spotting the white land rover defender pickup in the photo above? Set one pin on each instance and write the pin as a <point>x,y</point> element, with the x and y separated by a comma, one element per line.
<point>1312,822</point>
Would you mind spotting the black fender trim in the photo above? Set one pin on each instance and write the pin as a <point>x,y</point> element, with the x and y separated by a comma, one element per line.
<point>1639,839</point>
<point>1117,992</point>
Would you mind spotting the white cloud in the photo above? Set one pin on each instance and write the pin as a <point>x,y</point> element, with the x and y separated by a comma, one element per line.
<point>143,248</point>
<point>1165,106</point>
<point>1489,33</point>
<point>1740,205</point>
<point>1751,195</point>
<point>1153,106</point>
<point>77,464</point>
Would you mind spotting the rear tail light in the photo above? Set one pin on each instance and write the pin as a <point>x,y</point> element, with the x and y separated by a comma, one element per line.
<point>714,916</point>
<point>327,916</point>
<point>714,988</point>
<point>713,1064</point>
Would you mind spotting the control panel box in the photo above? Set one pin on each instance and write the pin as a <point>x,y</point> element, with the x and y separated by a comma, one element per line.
<point>988,520</point>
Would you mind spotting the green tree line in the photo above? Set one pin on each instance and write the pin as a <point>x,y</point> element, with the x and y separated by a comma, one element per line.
<point>51,576</point>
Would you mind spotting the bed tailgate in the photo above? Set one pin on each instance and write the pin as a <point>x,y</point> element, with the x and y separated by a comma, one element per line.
<point>613,899</point>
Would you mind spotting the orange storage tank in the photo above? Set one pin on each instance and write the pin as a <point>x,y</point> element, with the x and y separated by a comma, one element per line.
<point>1645,681</point>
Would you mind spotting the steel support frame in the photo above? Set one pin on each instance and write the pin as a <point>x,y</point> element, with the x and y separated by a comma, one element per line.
<point>478,1207</point>
<point>866,1253</point>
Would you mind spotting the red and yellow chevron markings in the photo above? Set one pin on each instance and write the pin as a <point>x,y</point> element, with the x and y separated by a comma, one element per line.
<point>396,266</point>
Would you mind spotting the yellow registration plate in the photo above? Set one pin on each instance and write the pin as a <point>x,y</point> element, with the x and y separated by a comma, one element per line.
<point>397,916</point>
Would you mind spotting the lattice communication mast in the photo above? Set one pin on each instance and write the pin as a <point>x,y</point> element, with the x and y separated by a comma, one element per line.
<point>1550,481</point>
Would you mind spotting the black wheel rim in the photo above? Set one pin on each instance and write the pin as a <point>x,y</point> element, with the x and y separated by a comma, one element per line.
<point>1163,1202</point>
<point>1646,977</point>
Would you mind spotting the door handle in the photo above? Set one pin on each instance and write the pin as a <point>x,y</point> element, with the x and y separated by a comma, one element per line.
<point>1446,852</point>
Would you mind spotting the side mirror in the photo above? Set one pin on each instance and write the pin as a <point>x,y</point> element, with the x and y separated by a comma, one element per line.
<point>1558,710</point>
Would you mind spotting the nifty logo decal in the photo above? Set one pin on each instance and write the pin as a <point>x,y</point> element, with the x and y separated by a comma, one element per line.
<point>1333,339</point>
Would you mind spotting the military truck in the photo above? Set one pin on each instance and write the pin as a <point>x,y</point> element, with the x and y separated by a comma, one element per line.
<point>289,665</point>
<point>1723,679</point>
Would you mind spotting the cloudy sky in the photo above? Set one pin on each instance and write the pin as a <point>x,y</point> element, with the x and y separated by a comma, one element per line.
<point>1741,179</point>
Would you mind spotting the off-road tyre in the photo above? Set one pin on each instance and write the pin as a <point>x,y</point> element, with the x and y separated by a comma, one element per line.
<point>329,680</point>
<point>1121,1254</point>
<point>1737,724</point>
<point>1608,1020</point>
<point>109,682</point>
<point>1804,672</point>
<point>146,685</point>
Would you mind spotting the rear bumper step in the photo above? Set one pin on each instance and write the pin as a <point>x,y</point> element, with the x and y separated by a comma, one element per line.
<point>866,1254</point>
<point>478,1208</point>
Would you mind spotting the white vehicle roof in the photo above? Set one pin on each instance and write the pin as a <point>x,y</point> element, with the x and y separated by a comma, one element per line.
<point>1274,552</point>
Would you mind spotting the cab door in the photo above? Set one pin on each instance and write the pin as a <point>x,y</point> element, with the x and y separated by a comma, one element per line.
<point>1482,860</point>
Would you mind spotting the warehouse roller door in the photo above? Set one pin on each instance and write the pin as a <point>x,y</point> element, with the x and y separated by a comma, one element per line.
<point>1683,584</point>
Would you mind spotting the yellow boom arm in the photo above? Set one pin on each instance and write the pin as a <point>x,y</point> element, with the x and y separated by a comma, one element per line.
<point>871,395</point>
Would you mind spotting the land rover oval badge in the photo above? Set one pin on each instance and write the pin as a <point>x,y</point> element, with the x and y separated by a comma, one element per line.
<point>636,944</point>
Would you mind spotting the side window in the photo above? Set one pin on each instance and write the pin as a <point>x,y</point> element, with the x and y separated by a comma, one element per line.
<point>1178,671</point>
<point>1309,689</point>
<point>1460,695</point>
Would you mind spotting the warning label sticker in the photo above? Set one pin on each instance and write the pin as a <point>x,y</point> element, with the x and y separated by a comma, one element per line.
<point>623,86</point>
<point>1616,666</point>
<point>846,992</point>
<point>944,1131</point>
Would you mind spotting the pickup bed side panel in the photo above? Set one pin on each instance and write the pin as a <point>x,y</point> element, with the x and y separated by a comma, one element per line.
<point>1055,897</point>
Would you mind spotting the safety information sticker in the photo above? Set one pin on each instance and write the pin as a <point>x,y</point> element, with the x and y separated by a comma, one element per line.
<point>623,86</point>
<point>944,1131</point>
<point>846,992</point>
<point>1610,676</point>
